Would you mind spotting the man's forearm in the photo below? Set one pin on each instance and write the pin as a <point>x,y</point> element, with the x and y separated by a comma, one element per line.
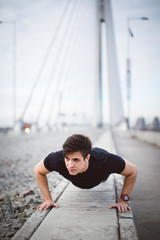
<point>129,182</point>
<point>43,185</point>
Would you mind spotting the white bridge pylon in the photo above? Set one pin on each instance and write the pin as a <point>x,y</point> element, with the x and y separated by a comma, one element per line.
<point>104,15</point>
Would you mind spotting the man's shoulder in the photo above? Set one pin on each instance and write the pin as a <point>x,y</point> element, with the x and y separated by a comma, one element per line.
<point>97,150</point>
<point>99,159</point>
<point>99,153</point>
<point>55,157</point>
<point>58,155</point>
<point>53,161</point>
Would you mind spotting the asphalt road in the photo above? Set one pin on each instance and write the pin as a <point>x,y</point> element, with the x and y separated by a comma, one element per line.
<point>145,197</point>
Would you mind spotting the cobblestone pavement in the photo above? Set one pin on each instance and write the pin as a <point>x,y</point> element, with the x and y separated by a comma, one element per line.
<point>19,153</point>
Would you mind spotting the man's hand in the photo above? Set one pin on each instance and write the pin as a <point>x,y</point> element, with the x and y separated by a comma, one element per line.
<point>47,204</point>
<point>122,206</point>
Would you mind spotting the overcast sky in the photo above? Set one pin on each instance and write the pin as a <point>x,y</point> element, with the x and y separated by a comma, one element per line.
<point>72,61</point>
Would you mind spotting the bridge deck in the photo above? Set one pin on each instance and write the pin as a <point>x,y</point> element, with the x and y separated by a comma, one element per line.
<point>83,214</point>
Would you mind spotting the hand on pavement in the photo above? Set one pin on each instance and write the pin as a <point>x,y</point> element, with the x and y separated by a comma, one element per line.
<point>47,204</point>
<point>122,206</point>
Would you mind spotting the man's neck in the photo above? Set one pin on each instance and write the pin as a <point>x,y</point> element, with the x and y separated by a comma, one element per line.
<point>85,167</point>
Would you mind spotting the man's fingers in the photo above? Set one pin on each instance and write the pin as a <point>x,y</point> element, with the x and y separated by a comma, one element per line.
<point>121,208</point>
<point>41,207</point>
<point>52,205</point>
<point>129,208</point>
<point>113,206</point>
<point>45,206</point>
<point>124,209</point>
<point>55,205</point>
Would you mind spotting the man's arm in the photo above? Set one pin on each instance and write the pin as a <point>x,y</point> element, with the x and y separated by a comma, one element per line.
<point>130,173</point>
<point>40,174</point>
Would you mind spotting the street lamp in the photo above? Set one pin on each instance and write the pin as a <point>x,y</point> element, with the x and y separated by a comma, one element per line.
<point>14,67</point>
<point>130,35</point>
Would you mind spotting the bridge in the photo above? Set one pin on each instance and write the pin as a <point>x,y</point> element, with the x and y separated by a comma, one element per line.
<point>71,71</point>
<point>76,87</point>
<point>63,69</point>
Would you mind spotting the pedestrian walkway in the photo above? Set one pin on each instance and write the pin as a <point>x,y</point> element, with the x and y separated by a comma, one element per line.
<point>145,195</point>
<point>84,214</point>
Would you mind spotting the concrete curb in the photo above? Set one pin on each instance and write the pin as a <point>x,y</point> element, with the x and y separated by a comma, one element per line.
<point>151,137</point>
<point>27,230</point>
<point>127,228</point>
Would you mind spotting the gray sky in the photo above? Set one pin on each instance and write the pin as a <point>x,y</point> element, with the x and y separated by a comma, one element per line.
<point>73,57</point>
<point>145,54</point>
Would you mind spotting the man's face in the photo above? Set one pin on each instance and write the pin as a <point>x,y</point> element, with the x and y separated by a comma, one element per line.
<point>75,163</point>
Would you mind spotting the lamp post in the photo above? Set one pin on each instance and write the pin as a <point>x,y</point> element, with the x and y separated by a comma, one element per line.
<point>14,67</point>
<point>130,35</point>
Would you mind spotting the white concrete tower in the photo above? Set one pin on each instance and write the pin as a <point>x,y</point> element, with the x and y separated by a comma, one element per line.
<point>104,14</point>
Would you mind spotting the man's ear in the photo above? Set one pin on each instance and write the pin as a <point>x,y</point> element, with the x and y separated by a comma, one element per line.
<point>88,157</point>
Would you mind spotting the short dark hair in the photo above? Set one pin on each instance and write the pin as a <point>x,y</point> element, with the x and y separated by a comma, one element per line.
<point>77,143</point>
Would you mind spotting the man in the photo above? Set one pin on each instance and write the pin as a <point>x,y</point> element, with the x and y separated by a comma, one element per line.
<point>85,167</point>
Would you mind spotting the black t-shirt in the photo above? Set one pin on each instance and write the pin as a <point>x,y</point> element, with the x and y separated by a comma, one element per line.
<point>101,165</point>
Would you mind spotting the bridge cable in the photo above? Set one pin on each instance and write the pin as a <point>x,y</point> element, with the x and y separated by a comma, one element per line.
<point>57,58</point>
<point>60,82</point>
<point>74,90</point>
<point>45,58</point>
<point>71,89</point>
<point>73,57</point>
